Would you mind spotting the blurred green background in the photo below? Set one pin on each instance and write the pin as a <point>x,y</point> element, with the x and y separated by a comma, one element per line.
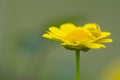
<point>25,55</point>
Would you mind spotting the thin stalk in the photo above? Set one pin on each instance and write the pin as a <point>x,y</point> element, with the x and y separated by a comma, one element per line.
<point>77,64</point>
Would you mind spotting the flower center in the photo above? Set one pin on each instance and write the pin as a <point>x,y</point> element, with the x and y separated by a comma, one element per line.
<point>78,36</point>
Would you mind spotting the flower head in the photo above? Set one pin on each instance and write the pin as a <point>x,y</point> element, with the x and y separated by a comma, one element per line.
<point>79,37</point>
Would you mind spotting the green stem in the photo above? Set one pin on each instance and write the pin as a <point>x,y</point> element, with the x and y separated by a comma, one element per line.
<point>77,64</point>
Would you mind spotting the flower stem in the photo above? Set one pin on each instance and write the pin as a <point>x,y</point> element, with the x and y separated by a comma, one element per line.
<point>77,64</point>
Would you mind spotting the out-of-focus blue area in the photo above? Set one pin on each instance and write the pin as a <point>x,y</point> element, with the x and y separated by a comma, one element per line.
<point>25,55</point>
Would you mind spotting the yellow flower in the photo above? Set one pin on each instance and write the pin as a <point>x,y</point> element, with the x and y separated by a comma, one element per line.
<point>78,37</point>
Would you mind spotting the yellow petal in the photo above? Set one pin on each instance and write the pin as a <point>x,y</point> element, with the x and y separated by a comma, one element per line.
<point>68,27</point>
<point>94,45</point>
<point>104,41</point>
<point>104,35</point>
<point>53,37</point>
<point>68,43</point>
<point>47,36</point>
<point>56,31</point>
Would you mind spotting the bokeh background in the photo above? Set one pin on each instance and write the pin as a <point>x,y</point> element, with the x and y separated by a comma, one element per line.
<point>25,55</point>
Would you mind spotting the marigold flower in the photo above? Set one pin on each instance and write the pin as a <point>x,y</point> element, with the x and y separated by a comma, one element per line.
<point>79,37</point>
